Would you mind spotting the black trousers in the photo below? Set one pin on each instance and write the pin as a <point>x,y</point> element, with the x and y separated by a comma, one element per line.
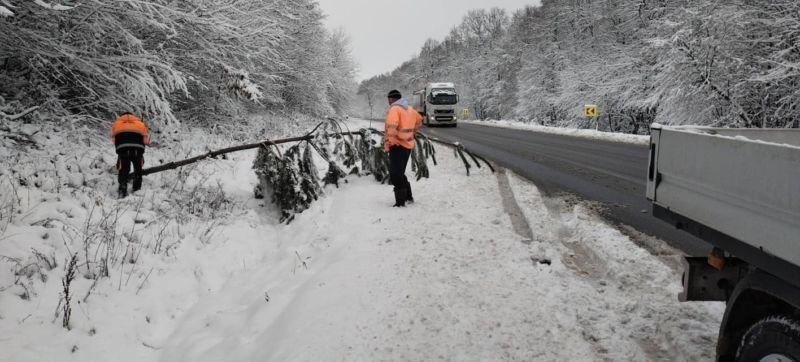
<point>398,160</point>
<point>130,156</point>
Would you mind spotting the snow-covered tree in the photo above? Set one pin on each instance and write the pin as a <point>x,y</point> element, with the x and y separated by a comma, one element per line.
<point>341,71</point>
<point>171,61</point>
<point>731,63</point>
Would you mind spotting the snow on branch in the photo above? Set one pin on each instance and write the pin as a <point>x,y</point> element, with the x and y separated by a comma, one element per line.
<point>238,83</point>
<point>290,178</point>
<point>56,7</point>
<point>14,117</point>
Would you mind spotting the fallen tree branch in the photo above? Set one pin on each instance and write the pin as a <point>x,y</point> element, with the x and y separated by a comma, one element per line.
<point>308,136</point>
<point>292,179</point>
<point>459,147</point>
<point>214,154</point>
<point>18,115</point>
<point>16,136</point>
<point>19,138</point>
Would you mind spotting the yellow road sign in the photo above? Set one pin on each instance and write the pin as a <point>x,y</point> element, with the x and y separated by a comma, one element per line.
<point>590,111</point>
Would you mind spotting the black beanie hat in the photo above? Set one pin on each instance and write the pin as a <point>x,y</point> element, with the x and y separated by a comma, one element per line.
<point>394,93</point>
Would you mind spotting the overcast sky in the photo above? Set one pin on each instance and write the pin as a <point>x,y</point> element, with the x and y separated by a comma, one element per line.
<point>386,33</point>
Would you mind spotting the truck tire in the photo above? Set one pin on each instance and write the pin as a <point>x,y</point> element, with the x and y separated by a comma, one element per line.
<point>773,338</point>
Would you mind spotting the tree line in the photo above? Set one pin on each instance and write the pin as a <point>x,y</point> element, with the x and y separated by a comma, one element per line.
<point>717,63</point>
<point>194,61</point>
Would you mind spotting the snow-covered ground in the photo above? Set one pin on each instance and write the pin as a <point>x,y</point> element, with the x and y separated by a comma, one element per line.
<point>584,133</point>
<point>481,267</point>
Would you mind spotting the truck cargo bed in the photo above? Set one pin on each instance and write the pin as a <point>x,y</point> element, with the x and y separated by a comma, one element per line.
<point>743,183</point>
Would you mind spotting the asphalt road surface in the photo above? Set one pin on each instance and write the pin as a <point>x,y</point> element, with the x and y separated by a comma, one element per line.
<point>611,173</point>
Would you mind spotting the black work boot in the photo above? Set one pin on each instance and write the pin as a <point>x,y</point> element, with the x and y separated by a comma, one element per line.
<point>400,196</point>
<point>123,192</point>
<point>137,184</point>
<point>409,197</point>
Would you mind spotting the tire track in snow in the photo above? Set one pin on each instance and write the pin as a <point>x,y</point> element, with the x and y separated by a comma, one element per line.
<point>511,207</point>
<point>582,258</point>
<point>465,288</point>
<point>629,309</point>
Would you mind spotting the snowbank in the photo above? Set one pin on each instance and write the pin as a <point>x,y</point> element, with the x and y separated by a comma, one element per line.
<point>350,279</point>
<point>585,133</point>
<point>142,261</point>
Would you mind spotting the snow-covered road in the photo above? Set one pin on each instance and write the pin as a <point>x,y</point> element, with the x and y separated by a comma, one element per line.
<point>446,278</point>
<point>481,268</point>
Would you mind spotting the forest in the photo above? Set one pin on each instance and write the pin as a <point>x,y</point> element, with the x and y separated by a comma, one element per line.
<point>677,62</point>
<point>195,62</point>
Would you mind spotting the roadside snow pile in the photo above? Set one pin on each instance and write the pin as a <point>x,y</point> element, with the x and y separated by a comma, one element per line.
<point>198,270</point>
<point>623,299</point>
<point>58,202</point>
<point>584,133</point>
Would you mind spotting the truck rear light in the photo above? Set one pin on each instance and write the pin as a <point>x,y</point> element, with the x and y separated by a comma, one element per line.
<point>716,259</point>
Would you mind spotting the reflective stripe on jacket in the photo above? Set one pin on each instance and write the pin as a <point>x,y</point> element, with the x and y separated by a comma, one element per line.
<point>401,125</point>
<point>129,131</point>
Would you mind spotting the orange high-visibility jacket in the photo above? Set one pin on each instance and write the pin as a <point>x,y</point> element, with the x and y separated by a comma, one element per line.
<point>400,126</point>
<point>129,131</point>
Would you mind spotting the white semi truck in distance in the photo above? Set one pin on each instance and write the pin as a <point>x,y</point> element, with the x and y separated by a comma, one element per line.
<point>437,103</point>
<point>739,190</point>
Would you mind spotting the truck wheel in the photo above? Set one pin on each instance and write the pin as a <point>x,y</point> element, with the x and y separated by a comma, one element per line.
<point>771,339</point>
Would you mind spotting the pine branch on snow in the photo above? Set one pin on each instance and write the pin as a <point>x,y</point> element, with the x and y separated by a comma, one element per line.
<point>292,178</point>
<point>294,191</point>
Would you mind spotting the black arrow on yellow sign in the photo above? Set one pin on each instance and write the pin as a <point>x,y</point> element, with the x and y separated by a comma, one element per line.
<point>590,111</point>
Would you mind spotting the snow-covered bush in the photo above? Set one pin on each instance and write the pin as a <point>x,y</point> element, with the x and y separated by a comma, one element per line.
<point>57,205</point>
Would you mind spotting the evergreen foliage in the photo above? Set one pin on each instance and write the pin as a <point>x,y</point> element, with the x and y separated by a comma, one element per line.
<point>292,182</point>
<point>292,178</point>
<point>375,160</point>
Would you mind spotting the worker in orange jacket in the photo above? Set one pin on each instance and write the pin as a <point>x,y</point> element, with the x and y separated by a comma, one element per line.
<point>129,136</point>
<point>400,127</point>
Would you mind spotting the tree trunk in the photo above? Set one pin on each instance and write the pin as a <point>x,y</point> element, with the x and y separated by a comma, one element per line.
<point>213,154</point>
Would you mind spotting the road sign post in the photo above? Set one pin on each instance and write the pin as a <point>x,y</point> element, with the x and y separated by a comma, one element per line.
<point>590,112</point>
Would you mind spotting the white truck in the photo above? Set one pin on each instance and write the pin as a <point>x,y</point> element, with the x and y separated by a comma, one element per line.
<point>738,189</point>
<point>437,103</point>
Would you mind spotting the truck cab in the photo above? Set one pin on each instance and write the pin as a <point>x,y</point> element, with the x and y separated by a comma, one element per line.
<point>437,103</point>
